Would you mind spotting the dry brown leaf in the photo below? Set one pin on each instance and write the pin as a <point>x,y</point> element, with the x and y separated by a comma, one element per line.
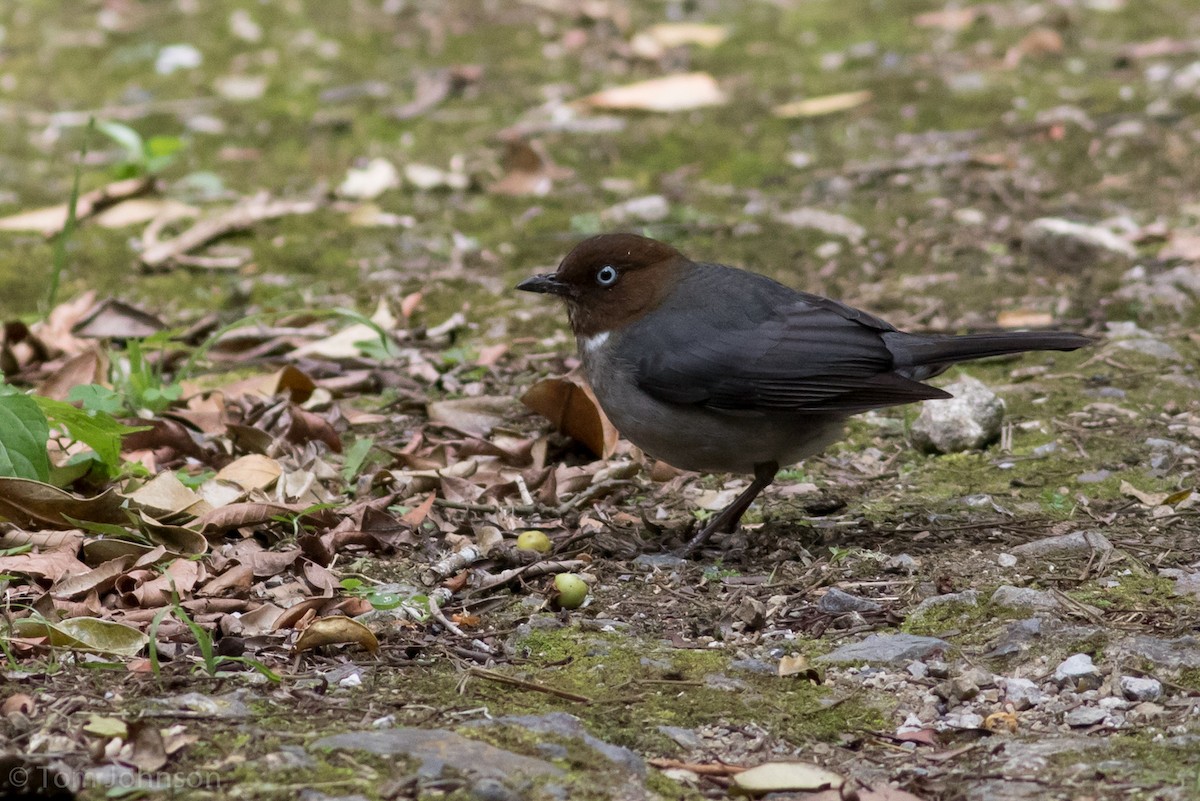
<point>1023,318</point>
<point>165,495</point>
<point>142,210</point>
<point>237,515</point>
<point>680,92</point>
<point>336,631</point>
<point>99,579</point>
<point>89,367</point>
<point>820,106</point>
<point>32,504</point>
<point>528,170</point>
<point>949,19</point>
<point>49,221</point>
<point>1151,499</point>
<point>289,379</point>
<point>115,319</point>
<point>251,472</point>
<point>1038,43</point>
<point>237,580</point>
<point>568,402</point>
<point>52,564</point>
<point>475,416</point>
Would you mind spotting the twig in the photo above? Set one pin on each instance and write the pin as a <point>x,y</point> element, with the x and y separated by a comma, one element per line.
<point>719,769</point>
<point>452,564</point>
<point>239,218</point>
<point>500,678</point>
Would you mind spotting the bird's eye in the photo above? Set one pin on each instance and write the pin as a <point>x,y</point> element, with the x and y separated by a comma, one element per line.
<point>606,275</point>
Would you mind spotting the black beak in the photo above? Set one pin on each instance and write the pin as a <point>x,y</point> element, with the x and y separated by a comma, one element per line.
<point>547,284</point>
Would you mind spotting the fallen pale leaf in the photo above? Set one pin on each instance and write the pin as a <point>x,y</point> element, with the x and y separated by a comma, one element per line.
<point>820,106</point>
<point>949,19</point>
<point>1021,318</point>
<point>681,92</point>
<point>253,471</point>
<point>774,777</point>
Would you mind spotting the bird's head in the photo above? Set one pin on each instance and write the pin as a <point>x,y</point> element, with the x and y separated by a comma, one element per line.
<point>611,280</point>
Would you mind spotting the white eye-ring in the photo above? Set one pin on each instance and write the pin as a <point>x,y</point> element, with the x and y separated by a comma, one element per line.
<point>606,275</point>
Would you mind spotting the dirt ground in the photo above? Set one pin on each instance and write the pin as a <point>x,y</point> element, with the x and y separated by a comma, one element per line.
<point>1012,622</point>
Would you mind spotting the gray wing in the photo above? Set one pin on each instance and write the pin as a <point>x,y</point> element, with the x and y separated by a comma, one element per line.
<point>769,350</point>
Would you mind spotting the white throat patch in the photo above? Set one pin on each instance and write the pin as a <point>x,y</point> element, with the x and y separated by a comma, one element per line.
<point>594,342</point>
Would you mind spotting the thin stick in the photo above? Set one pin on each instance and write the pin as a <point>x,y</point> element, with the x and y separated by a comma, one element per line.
<point>500,678</point>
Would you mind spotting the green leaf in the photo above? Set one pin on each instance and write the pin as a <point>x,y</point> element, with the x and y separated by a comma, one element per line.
<point>96,398</point>
<point>24,433</point>
<point>128,139</point>
<point>356,456</point>
<point>98,430</point>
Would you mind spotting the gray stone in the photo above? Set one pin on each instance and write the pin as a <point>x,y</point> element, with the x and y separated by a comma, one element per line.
<point>562,724</point>
<point>838,602</point>
<point>1022,693</point>
<point>938,669</point>
<point>901,563</point>
<point>493,790</point>
<point>753,666</point>
<point>918,670</point>
<point>1006,560</point>
<point>1025,598</point>
<point>659,561</point>
<point>1082,716</point>
<point>1072,546</point>
<point>684,738</point>
<point>963,720</point>
<point>1128,336</point>
<point>969,420</point>
<point>892,649</point>
<point>1181,652</point>
<point>1016,637</point>
<point>1064,244</point>
<point>966,598</point>
<point>1137,688</point>
<point>438,749</point>
<point>649,208</point>
<point>1077,672</point>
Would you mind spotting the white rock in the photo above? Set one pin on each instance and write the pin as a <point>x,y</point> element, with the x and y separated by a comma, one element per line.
<point>971,419</point>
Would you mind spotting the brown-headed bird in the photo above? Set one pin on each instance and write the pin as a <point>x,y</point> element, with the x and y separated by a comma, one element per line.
<point>718,370</point>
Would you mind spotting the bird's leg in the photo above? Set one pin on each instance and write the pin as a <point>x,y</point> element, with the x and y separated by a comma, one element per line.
<point>727,521</point>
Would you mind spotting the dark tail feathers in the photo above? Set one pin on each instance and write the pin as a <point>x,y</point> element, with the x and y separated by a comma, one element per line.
<point>925,355</point>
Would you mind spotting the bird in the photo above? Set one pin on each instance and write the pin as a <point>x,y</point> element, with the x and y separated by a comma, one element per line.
<point>715,369</point>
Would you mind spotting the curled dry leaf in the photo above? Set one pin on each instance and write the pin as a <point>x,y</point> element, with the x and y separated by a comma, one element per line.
<point>568,402</point>
<point>336,631</point>
<point>681,92</point>
<point>820,106</point>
